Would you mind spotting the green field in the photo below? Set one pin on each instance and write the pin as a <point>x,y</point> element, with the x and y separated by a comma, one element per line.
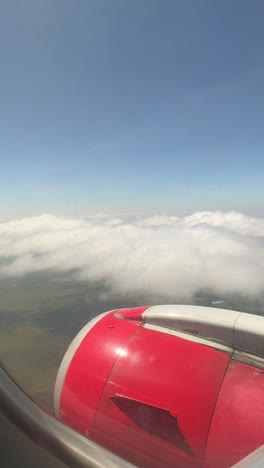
<point>39,316</point>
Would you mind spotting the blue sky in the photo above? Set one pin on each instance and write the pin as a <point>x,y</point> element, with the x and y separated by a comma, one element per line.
<point>131,106</point>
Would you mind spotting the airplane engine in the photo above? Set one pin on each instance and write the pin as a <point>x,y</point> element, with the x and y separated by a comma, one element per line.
<point>167,386</point>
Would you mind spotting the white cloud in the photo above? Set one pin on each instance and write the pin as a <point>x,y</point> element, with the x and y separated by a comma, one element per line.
<point>165,255</point>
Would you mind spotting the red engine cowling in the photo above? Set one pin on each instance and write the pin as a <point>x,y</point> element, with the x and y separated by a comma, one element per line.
<point>163,387</point>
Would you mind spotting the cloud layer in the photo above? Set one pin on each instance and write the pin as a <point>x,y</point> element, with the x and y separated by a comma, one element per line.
<point>160,255</point>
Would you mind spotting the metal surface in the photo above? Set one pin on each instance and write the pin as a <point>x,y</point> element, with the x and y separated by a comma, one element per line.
<point>249,359</point>
<point>237,427</point>
<point>237,330</point>
<point>89,370</point>
<point>65,444</point>
<point>67,360</point>
<point>161,392</point>
<point>254,460</point>
<point>189,337</point>
<point>165,385</point>
<point>249,334</point>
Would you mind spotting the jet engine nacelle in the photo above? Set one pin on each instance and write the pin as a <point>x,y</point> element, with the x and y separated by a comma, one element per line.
<point>167,386</point>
